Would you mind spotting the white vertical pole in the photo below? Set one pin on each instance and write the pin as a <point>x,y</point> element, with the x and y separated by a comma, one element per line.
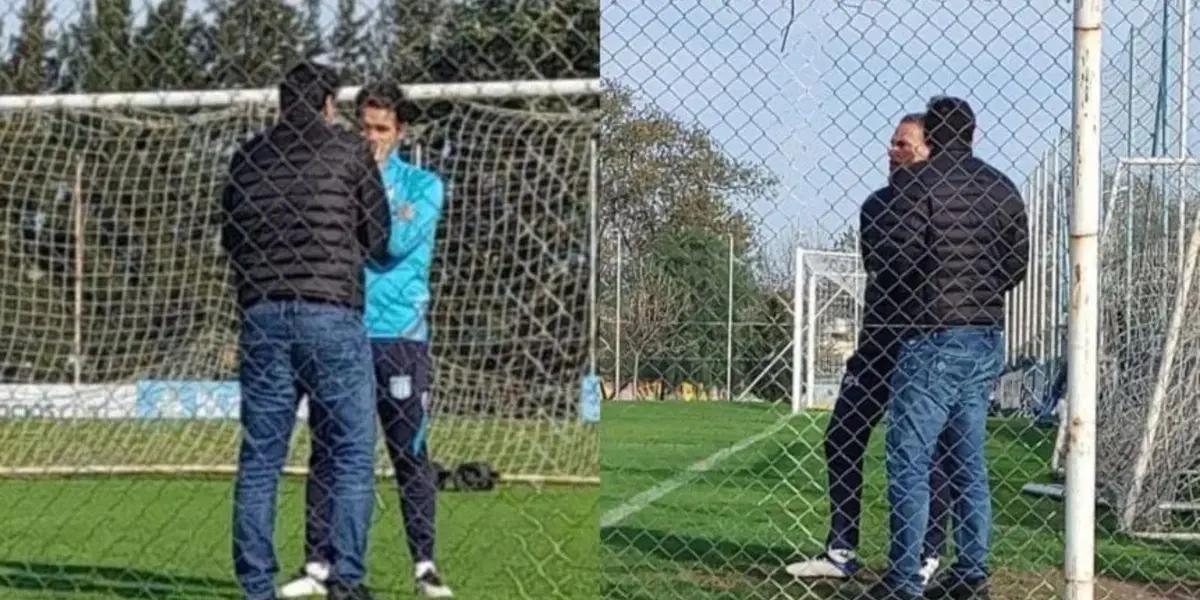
<point>593,250</point>
<point>1027,285</point>
<point>77,196</point>
<point>810,349</point>
<point>1084,315</point>
<point>1047,251</point>
<point>1184,97</point>
<point>1039,199</point>
<point>1008,327</point>
<point>1055,254</point>
<point>729,329</point>
<point>617,367</point>
<point>798,313</point>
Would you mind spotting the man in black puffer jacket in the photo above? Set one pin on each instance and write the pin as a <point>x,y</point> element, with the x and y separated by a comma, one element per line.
<point>304,210</point>
<point>958,245</point>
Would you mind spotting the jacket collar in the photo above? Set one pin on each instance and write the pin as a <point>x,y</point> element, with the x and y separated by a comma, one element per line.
<point>954,149</point>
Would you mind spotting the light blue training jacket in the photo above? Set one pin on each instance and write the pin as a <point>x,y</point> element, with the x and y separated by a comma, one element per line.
<point>398,292</point>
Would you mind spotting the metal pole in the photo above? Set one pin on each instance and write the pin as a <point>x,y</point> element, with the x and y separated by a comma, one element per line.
<point>1056,271</point>
<point>1084,316</point>
<point>77,196</point>
<point>810,349</point>
<point>1047,316</point>
<point>617,366</point>
<point>1027,292</point>
<point>729,329</point>
<point>593,251</point>
<point>1184,93</point>
<point>798,309</point>
<point>1039,243</point>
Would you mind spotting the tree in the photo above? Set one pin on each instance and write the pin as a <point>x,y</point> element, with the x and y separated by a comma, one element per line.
<point>28,69</point>
<point>412,34</point>
<point>254,43</point>
<point>652,302</point>
<point>109,68</point>
<point>313,44</point>
<point>351,42</point>
<point>164,55</point>
<point>697,262</point>
<point>660,175</point>
<point>527,39</point>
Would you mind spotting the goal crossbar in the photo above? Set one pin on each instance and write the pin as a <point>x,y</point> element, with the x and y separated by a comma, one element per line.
<point>210,98</point>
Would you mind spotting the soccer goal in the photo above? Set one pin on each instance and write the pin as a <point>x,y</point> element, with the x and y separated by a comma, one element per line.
<point>118,324</point>
<point>828,302</point>
<point>1147,441</point>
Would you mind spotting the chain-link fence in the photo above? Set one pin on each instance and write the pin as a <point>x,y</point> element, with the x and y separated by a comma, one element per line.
<point>158,260</point>
<point>741,145</point>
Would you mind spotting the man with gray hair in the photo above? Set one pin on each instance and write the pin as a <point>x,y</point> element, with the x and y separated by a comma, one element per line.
<point>865,387</point>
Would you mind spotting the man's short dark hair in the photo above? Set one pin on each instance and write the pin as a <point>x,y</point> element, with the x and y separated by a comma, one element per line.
<point>918,118</point>
<point>388,95</point>
<point>306,88</point>
<point>949,120</point>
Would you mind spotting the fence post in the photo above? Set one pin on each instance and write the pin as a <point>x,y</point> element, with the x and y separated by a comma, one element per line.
<point>1083,318</point>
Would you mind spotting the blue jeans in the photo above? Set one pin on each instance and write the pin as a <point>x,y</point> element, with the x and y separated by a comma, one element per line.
<point>321,350</point>
<point>861,402</point>
<point>942,383</point>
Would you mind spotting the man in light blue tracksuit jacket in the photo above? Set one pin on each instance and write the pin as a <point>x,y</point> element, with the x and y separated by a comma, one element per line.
<point>397,319</point>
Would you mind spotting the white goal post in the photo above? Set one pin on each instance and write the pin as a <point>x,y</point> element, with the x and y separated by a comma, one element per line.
<point>827,310</point>
<point>117,317</point>
<point>267,96</point>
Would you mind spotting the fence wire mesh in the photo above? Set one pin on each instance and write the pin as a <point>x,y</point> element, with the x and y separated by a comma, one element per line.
<point>131,257</point>
<point>741,141</point>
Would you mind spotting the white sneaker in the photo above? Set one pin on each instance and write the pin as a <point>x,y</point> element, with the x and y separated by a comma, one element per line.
<point>311,582</point>
<point>929,567</point>
<point>429,584</point>
<point>833,564</point>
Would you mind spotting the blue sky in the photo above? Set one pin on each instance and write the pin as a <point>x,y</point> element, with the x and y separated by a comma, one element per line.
<point>818,110</point>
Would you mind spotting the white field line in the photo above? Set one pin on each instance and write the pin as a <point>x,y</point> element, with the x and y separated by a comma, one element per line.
<point>639,502</point>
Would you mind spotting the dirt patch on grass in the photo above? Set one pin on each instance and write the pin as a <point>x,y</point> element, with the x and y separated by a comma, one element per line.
<point>1048,585</point>
<point>1006,585</point>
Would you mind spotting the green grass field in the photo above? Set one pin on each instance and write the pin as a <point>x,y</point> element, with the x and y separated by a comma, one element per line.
<point>728,530</point>
<point>110,537</point>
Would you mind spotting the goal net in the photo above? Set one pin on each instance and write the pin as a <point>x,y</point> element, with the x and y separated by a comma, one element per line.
<point>828,308</point>
<point>1148,460</point>
<point>118,325</point>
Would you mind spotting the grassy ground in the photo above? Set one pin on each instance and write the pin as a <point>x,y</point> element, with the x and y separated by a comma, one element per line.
<point>109,537</point>
<point>732,525</point>
<point>541,447</point>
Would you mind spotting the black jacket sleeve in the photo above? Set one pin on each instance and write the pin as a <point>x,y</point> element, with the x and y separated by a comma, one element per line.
<point>865,219</point>
<point>908,240</point>
<point>374,216</point>
<point>1015,235</point>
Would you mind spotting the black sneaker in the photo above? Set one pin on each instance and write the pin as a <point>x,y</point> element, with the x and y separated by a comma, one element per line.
<point>950,586</point>
<point>346,591</point>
